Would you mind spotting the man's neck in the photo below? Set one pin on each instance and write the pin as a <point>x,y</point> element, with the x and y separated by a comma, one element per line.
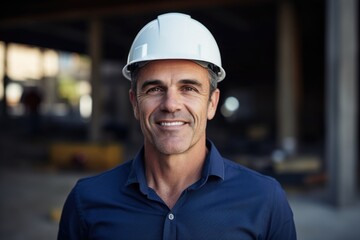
<point>170,175</point>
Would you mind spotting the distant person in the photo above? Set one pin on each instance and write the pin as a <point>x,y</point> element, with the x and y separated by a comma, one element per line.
<point>178,186</point>
<point>32,99</point>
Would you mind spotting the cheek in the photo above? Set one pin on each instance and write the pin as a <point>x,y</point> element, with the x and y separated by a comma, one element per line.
<point>199,111</point>
<point>145,108</point>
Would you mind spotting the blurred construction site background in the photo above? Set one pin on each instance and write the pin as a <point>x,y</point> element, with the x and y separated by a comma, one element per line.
<point>289,104</point>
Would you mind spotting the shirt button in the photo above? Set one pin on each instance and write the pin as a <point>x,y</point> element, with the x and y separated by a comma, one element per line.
<point>171,216</point>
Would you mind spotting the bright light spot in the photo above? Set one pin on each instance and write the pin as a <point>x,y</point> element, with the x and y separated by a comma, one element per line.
<point>230,106</point>
<point>83,88</point>
<point>24,62</point>
<point>85,106</point>
<point>13,93</point>
<point>51,63</point>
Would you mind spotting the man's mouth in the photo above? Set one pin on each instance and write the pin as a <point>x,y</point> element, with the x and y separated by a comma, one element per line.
<point>171,124</point>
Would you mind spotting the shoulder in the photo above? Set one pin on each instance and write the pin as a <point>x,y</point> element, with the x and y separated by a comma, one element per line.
<point>239,172</point>
<point>248,182</point>
<point>264,190</point>
<point>109,179</point>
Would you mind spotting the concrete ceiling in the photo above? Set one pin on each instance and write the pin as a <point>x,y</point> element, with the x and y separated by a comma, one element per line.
<point>245,29</point>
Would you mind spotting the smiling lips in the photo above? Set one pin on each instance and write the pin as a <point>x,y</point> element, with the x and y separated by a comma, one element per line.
<point>171,124</point>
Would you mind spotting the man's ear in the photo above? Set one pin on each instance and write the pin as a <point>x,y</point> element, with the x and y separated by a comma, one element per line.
<point>214,100</point>
<point>133,100</point>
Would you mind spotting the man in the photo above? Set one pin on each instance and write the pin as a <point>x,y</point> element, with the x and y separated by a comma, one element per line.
<point>178,186</point>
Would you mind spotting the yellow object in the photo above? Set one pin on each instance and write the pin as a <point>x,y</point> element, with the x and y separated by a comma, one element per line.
<point>55,214</point>
<point>300,164</point>
<point>89,156</point>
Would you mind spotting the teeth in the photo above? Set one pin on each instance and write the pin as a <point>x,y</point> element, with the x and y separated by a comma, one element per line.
<point>171,123</point>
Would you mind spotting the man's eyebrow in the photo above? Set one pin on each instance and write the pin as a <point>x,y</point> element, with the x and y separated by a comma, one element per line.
<point>191,82</point>
<point>150,83</point>
<point>159,82</point>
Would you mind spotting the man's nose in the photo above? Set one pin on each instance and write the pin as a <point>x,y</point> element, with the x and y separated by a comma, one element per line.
<point>171,101</point>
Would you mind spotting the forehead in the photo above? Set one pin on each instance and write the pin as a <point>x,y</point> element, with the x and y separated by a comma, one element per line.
<point>165,70</point>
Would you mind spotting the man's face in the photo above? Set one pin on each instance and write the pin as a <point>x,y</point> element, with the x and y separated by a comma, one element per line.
<point>173,105</point>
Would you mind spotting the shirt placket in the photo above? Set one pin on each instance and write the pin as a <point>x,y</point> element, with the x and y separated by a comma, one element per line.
<point>169,232</point>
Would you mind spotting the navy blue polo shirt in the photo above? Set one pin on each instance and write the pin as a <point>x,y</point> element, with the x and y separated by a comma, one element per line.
<point>228,202</point>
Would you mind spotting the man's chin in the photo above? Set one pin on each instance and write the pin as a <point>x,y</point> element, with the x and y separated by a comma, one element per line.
<point>172,147</point>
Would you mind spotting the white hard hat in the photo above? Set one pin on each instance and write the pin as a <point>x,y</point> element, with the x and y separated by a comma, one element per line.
<point>175,36</point>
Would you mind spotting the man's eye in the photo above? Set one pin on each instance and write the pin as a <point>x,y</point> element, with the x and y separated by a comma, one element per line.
<point>189,89</point>
<point>154,90</point>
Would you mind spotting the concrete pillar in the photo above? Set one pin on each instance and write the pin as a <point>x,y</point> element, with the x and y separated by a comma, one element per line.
<point>49,87</point>
<point>341,100</point>
<point>95,51</point>
<point>288,78</point>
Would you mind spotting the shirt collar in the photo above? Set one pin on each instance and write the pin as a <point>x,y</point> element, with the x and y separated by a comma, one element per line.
<point>214,164</point>
<point>213,167</point>
<point>137,173</point>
